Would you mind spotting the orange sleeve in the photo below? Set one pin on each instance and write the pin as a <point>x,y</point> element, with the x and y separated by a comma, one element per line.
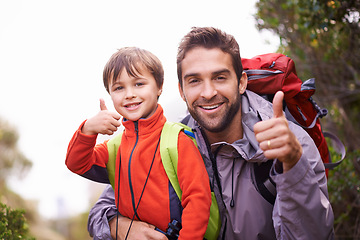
<point>196,193</point>
<point>83,154</point>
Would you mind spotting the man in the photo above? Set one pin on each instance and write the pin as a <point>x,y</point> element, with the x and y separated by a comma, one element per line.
<point>236,130</point>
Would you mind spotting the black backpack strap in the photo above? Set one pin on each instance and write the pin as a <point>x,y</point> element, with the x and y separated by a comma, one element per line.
<point>263,183</point>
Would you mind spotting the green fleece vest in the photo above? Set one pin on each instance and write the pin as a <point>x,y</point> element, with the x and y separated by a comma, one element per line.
<point>169,157</point>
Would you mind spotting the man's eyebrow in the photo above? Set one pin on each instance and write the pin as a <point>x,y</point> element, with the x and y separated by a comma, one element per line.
<point>191,75</point>
<point>221,71</point>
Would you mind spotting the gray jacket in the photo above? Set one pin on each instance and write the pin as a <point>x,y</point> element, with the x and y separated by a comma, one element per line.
<point>301,211</point>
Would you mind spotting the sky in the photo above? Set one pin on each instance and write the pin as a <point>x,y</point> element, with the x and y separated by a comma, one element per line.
<point>52,54</point>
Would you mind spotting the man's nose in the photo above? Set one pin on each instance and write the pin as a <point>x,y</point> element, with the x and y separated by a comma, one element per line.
<point>209,90</point>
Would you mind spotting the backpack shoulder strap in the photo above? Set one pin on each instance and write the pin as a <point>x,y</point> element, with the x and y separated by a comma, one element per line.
<point>264,184</point>
<point>113,146</point>
<point>169,158</point>
<point>169,153</point>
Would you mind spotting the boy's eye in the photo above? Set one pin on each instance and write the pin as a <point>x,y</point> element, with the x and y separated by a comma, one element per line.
<point>118,88</point>
<point>139,84</point>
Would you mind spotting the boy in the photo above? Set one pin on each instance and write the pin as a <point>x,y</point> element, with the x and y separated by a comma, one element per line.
<point>134,78</point>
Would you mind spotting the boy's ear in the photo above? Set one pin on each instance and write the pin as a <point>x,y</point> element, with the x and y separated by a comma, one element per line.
<point>181,92</point>
<point>159,92</point>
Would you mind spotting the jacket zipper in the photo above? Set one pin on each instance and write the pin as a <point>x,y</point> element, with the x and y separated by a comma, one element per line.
<point>129,170</point>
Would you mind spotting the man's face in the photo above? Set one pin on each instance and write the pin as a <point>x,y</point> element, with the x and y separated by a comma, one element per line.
<point>210,88</point>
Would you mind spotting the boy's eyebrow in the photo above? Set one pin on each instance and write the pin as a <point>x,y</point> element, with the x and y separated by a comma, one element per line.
<point>134,79</point>
<point>114,82</point>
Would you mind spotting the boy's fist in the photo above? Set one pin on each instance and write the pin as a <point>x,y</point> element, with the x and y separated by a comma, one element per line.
<point>105,122</point>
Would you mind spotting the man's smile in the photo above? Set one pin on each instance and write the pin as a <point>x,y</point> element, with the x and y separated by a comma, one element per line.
<point>210,107</point>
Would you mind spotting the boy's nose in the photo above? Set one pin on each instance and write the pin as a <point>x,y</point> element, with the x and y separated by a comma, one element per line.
<point>130,93</point>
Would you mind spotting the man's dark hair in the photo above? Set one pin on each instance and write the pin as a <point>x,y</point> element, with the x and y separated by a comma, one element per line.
<point>209,37</point>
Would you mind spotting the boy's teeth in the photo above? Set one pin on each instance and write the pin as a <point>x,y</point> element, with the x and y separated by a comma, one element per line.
<point>132,105</point>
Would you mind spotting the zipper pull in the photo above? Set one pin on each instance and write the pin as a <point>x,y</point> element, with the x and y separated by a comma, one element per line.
<point>136,127</point>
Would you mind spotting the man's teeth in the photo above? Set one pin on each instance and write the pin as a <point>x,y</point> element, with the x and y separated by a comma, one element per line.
<point>210,107</point>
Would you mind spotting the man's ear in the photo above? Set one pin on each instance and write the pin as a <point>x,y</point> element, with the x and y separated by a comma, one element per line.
<point>181,92</point>
<point>243,83</point>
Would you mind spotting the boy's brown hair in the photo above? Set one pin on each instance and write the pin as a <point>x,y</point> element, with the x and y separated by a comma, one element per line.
<point>209,37</point>
<point>132,59</point>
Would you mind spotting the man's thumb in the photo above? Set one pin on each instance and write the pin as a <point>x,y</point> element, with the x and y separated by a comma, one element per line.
<point>278,104</point>
<point>102,104</point>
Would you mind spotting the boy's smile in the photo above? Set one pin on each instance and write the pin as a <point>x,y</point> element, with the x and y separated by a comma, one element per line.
<point>132,106</point>
<point>135,97</point>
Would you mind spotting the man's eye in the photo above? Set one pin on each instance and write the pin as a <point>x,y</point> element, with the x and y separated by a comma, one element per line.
<point>220,78</point>
<point>193,80</point>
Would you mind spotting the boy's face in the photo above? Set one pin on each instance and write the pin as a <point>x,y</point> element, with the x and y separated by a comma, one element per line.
<point>210,88</point>
<point>135,97</point>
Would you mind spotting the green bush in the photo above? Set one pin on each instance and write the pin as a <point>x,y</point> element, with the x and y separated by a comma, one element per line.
<point>344,193</point>
<point>13,224</point>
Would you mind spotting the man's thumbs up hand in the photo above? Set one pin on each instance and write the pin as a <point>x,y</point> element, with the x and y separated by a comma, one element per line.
<point>105,122</point>
<point>278,105</point>
<point>275,137</point>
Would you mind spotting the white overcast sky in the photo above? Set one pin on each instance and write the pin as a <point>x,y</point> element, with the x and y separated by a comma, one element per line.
<point>52,54</point>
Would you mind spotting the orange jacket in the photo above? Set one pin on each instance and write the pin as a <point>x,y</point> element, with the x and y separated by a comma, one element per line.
<point>137,150</point>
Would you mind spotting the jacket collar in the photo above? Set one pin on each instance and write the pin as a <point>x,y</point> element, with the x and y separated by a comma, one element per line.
<point>254,108</point>
<point>145,125</point>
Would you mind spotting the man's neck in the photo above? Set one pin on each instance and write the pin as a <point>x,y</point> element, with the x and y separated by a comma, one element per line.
<point>231,134</point>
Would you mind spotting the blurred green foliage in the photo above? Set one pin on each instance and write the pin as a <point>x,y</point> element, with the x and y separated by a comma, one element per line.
<point>344,193</point>
<point>12,161</point>
<point>323,39</point>
<point>22,218</point>
<point>13,225</point>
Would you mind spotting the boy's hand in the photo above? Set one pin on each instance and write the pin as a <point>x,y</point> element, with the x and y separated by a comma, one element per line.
<point>105,122</point>
<point>275,137</point>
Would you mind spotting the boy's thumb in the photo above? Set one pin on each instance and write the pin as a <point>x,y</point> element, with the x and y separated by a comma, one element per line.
<point>102,104</point>
<point>278,104</point>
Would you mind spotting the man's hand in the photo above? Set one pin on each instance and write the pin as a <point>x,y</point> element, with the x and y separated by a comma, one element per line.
<point>105,122</point>
<point>275,137</point>
<point>139,230</point>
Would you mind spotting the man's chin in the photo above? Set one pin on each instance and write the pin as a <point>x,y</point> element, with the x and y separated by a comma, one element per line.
<point>214,128</point>
<point>211,124</point>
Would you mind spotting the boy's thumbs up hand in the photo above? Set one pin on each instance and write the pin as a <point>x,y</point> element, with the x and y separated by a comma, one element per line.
<point>102,104</point>
<point>105,122</point>
<point>275,137</point>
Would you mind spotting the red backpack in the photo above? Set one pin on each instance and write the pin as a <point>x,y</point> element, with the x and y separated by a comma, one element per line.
<point>269,73</point>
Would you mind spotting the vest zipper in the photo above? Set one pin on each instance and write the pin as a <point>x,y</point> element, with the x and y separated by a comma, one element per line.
<point>232,202</point>
<point>129,170</point>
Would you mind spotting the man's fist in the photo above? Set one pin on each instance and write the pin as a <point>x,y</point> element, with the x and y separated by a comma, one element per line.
<point>275,137</point>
